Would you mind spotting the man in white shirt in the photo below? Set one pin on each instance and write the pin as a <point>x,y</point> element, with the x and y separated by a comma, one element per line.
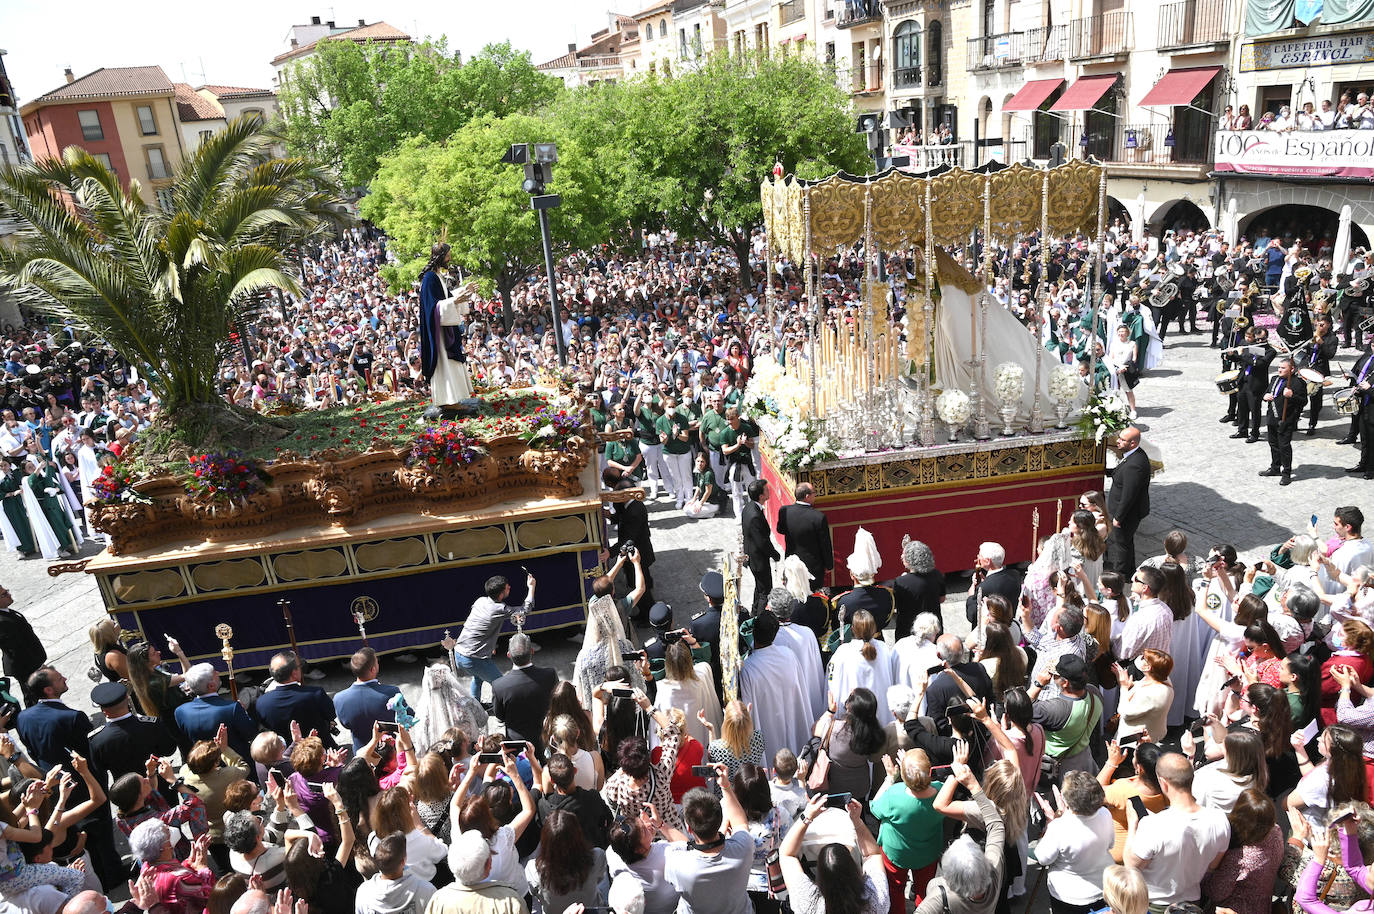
<point>1353,551</point>
<point>1177,846</point>
<point>1326,117</point>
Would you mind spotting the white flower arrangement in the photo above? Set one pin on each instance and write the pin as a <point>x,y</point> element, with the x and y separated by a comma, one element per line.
<point>954,407</point>
<point>1106,414</point>
<point>1065,383</point>
<point>1008,383</point>
<point>800,443</point>
<point>770,388</point>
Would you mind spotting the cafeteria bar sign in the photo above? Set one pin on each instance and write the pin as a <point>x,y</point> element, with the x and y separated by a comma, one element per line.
<point>1322,51</point>
<point>1323,153</point>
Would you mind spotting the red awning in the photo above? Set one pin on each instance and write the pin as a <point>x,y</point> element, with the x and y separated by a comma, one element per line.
<point>1179,87</point>
<point>1083,94</point>
<point>1032,95</point>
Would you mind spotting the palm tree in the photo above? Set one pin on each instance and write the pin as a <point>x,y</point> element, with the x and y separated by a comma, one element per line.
<point>166,288</point>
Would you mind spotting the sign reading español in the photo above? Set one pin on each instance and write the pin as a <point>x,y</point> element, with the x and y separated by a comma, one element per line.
<point>1320,51</point>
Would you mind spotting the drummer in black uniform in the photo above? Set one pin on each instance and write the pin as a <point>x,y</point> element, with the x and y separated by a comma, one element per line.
<point>1254,378</point>
<point>1317,358</point>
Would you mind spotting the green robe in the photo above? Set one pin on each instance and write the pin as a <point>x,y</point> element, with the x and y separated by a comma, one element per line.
<point>13,504</point>
<point>39,482</point>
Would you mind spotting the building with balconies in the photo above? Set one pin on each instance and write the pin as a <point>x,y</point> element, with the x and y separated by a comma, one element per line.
<point>612,55</point>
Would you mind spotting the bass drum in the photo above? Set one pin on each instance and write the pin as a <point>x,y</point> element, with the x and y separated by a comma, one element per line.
<point>1228,382</point>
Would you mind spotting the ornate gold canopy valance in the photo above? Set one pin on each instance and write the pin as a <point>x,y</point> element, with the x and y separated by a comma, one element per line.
<point>896,203</point>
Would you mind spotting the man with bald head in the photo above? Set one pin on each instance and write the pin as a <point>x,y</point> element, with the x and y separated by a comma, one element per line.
<point>290,699</point>
<point>1128,501</point>
<point>1175,847</point>
<point>942,687</point>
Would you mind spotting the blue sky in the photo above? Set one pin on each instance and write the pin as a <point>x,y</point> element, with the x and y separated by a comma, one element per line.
<point>232,44</point>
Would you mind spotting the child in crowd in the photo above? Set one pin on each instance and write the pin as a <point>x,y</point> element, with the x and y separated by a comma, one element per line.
<point>788,794</point>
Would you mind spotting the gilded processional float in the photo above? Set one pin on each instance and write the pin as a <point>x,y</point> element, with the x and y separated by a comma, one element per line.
<point>923,411</point>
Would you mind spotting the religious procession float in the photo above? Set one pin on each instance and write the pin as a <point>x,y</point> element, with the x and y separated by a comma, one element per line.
<point>371,524</point>
<point>929,410</point>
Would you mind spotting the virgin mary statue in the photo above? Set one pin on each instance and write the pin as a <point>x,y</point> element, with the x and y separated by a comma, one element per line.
<point>442,332</point>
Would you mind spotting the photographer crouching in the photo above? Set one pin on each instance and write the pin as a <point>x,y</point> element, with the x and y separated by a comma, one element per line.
<point>631,519</point>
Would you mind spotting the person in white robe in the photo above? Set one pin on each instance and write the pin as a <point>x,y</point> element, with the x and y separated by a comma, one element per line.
<point>88,471</point>
<point>769,683</point>
<point>864,662</point>
<point>783,602</point>
<point>691,688</point>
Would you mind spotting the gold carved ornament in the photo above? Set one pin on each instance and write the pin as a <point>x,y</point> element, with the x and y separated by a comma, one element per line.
<point>1016,193</point>
<point>1073,198</point>
<point>837,215</point>
<point>958,206</point>
<point>796,220</point>
<point>898,214</point>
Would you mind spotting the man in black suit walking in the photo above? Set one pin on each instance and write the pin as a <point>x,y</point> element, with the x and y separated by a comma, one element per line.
<point>521,697</point>
<point>631,520</point>
<point>20,648</point>
<point>1285,401</point>
<point>758,543</point>
<point>1128,501</point>
<point>805,533</point>
<point>990,575</point>
<point>291,700</point>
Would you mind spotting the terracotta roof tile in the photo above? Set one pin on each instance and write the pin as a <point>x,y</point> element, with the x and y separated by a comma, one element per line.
<point>113,81</point>
<point>192,106</point>
<point>233,91</point>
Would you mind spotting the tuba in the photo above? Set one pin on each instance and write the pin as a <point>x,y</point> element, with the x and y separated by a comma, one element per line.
<point>1164,293</point>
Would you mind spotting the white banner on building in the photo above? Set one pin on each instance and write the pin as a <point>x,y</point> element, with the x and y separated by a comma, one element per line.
<point>1322,153</point>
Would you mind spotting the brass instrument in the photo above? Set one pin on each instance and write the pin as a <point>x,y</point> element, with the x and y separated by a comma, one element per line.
<point>1359,286</point>
<point>1163,294</point>
<point>1083,272</point>
<point>1224,282</point>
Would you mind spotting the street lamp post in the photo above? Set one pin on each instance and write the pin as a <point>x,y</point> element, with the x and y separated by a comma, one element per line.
<point>538,172</point>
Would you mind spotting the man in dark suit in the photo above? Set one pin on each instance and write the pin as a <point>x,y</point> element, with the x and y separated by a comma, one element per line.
<point>758,542</point>
<point>805,532</point>
<point>942,687</point>
<point>990,575</point>
<point>631,520</point>
<point>201,717</point>
<point>1128,501</point>
<point>20,648</point>
<point>521,697</point>
<point>291,700</point>
<point>363,703</point>
<point>123,743</point>
<point>1285,400</point>
<point>51,730</point>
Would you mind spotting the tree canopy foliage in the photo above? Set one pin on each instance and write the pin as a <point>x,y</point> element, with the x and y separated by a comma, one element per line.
<point>685,152</point>
<point>349,103</point>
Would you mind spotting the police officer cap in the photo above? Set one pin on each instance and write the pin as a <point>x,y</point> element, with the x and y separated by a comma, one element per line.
<point>660,615</point>
<point>109,694</point>
<point>713,585</point>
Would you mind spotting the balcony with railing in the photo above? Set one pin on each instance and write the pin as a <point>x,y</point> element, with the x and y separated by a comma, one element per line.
<point>1103,35</point>
<point>906,78</point>
<point>790,11</point>
<point>992,52</point>
<point>1046,44</point>
<point>924,158</point>
<point>1187,142</point>
<point>859,12</point>
<point>604,62</point>
<point>1194,22</point>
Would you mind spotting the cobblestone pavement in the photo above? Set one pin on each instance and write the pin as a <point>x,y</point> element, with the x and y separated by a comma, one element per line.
<point>1208,489</point>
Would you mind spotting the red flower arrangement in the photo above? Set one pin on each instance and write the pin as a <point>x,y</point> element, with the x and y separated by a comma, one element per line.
<point>115,484</point>
<point>224,477</point>
<point>445,444</point>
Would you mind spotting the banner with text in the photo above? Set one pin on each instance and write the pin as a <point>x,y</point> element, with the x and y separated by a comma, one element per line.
<point>1317,51</point>
<point>1317,154</point>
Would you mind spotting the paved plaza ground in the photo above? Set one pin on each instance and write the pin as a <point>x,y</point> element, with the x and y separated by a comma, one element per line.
<point>1208,489</point>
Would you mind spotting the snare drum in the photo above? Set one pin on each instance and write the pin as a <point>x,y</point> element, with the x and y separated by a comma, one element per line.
<point>1347,402</point>
<point>1228,382</point>
<point>1314,378</point>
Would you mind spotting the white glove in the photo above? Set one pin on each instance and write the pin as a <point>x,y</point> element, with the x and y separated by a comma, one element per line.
<point>50,490</point>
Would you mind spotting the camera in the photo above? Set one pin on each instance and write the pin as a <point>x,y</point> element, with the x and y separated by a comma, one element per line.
<point>628,550</point>
<point>674,636</point>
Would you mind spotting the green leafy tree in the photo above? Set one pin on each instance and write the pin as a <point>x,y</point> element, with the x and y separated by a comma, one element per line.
<point>165,289</point>
<point>350,103</point>
<point>688,151</point>
<point>459,191</point>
